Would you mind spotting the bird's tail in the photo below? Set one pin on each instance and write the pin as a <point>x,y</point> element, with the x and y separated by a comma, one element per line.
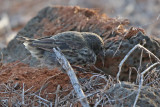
<point>24,39</point>
<point>35,52</point>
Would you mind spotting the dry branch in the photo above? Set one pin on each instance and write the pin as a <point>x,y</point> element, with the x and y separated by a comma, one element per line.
<point>129,53</point>
<point>141,81</point>
<point>57,99</point>
<point>23,102</point>
<point>142,74</point>
<point>74,81</point>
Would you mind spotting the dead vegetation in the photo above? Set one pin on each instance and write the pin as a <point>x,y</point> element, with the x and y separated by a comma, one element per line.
<point>55,90</point>
<point>21,85</point>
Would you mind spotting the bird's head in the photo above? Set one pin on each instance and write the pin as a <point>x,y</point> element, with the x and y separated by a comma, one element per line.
<point>95,42</point>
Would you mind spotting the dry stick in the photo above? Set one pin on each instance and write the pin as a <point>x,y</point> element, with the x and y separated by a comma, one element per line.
<point>57,99</point>
<point>141,81</point>
<point>28,89</point>
<point>130,72</point>
<point>140,66</point>
<point>50,103</point>
<point>125,58</point>
<point>142,74</point>
<point>66,65</point>
<point>117,48</point>
<point>23,95</point>
<point>128,54</point>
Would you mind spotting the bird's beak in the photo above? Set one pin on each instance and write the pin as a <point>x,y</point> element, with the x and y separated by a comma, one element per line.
<point>102,56</point>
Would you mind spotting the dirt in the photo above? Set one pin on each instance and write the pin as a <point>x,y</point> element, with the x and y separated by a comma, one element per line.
<point>149,97</point>
<point>18,72</point>
<point>19,67</point>
<point>21,73</point>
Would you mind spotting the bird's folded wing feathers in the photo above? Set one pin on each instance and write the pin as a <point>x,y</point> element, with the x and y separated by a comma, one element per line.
<point>49,43</point>
<point>45,44</point>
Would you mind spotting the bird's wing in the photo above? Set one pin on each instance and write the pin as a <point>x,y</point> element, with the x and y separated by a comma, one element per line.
<point>66,45</point>
<point>81,57</point>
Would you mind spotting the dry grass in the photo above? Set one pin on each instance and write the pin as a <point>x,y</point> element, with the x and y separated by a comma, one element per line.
<point>95,88</point>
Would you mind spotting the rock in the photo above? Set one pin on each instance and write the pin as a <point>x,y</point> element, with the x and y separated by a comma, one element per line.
<point>118,40</point>
<point>124,94</point>
<point>118,47</point>
<point>53,20</point>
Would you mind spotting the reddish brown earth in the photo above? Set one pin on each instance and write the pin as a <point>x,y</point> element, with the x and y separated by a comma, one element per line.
<point>53,20</point>
<point>58,19</point>
<point>18,72</point>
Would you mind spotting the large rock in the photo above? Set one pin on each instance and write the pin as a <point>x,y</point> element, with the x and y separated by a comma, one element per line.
<point>53,20</point>
<point>124,94</point>
<point>117,48</point>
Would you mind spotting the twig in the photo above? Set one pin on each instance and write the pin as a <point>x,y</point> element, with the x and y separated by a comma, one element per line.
<point>140,63</point>
<point>23,95</point>
<point>91,94</point>
<point>97,69</point>
<point>50,103</point>
<point>142,74</point>
<point>141,81</point>
<point>66,65</point>
<point>125,58</point>
<point>117,48</point>
<point>129,53</point>
<point>28,89</point>
<point>130,72</point>
<point>120,99</point>
<point>57,99</point>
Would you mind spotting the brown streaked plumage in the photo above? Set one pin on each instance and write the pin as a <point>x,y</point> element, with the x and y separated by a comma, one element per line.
<point>80,48</point>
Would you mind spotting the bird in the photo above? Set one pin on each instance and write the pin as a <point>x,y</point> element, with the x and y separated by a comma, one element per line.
<point>79,48</point>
